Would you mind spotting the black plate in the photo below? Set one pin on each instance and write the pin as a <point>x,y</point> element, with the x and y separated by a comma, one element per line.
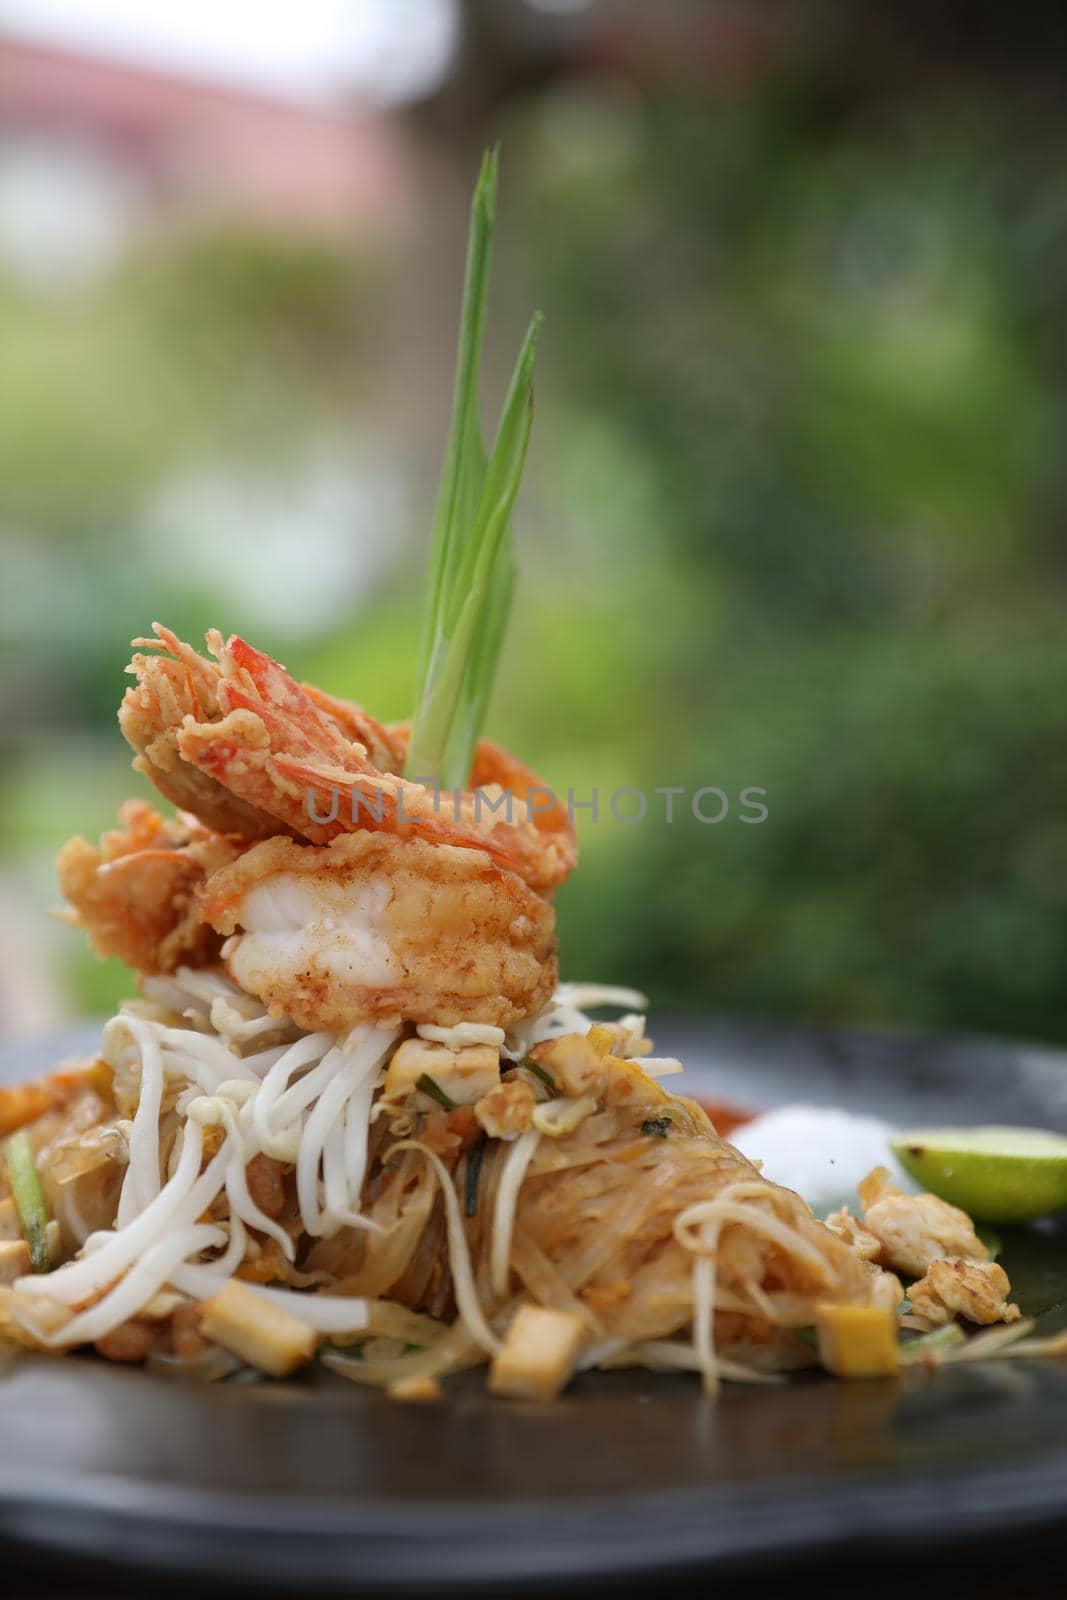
<point>319,1485</point>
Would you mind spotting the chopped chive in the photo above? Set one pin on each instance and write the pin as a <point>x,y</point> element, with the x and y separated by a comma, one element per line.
<point>924,1344</point>
<point>474,1171</point>
<point>472,563</point>
<point>431,1087</point>
<point>29,1200</point>
<point>657,1127</point>
<point>546,1077</point>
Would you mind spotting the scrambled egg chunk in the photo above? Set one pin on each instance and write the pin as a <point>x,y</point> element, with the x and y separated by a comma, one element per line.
<point>915,1230</point>
<point>977,1290</point>
<point>507,1109</point>
<point>845,1225</point>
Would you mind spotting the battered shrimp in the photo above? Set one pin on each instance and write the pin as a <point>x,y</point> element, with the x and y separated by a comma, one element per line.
<point>372,927</point>
<point>135,894</point>
<point>250,751</point>
<point>170,689</point>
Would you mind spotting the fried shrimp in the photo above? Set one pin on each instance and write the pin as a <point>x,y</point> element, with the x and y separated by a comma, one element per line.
<point>134,895</point>
<point>372,927</point>
<point>251,751</point>
<point>171,688</point>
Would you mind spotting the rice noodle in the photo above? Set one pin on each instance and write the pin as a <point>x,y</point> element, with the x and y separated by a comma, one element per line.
<point>565,1015</point>
<point>452,1351</point>
<point>142,1173</point>
<point>143,1280</point>
<point>356,1063</point>
<point>312,1047</point>
<point>516,1162</point>
<point>728,1210</point>
<point>105,1256</point>
<point>664,1355</point>
<point>666,1248</point>
<point>326,1313</point>
<point>704,1321</point>
<point>545,1282</point>
<point>243,1206</point>
<point>157,1229</point>
<point>459,1260</point>
<point>698,1229</point>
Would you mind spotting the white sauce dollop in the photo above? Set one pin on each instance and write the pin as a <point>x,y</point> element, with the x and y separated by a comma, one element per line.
<point>819,1152</point>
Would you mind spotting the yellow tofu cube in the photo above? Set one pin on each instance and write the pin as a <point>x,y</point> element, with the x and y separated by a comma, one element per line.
<point>539,1354</point>
<point>409,1061</point>
<point>629,1086</point>
<point>575,1064</point>
<point>474,1071</point>
<point>858,1341</point>
<point>14,1259</point>
<point>417,1389</point>
<point>265,1335</point>
<point>464,1075</point>
<point>10,1226</point>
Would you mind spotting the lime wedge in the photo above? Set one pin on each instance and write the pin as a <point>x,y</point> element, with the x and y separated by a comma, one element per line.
<point>998,1174</point>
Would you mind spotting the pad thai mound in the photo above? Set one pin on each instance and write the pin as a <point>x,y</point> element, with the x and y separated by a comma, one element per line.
<point>352,1114</point>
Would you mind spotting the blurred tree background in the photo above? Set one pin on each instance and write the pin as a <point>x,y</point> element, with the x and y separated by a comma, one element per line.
<point>793,515</point>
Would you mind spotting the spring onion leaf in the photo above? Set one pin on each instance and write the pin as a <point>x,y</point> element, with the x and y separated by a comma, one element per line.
<point>431,1087</point>
<point>29,1200</point>
<point>472,562</point>
<point>474,1172</point>
<point>545,1076</point>
<point>657,1127</point>
<point>464,465</point>
<point>478,683</point>
<point>925,1344</point>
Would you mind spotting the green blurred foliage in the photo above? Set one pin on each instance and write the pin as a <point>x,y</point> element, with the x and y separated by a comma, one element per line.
<point>793,521</point>
<point>814,350</point>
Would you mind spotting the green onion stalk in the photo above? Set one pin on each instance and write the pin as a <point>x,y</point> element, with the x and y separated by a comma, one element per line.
<point>29,1199</point>
<point>472,560</point>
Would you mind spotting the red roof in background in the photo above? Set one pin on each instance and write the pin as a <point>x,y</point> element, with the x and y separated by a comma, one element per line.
<point>205,147</point>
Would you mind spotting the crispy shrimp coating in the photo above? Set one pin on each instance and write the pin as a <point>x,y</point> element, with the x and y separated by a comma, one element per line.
<point>170,689</point>
<point>135,895</point>
<point>915,1230</point>
<point>372,927</point>
<point>250,751</point>
<point>977,1290</point>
